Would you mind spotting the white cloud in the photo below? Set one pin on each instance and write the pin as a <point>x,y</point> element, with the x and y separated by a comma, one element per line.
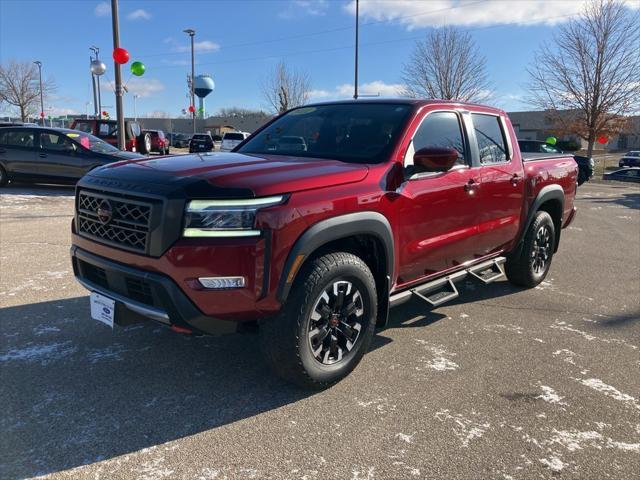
<point>300,8</point>
<point>60,111</point>
<point>139,14</point>
<point>434,13</point>
<point>140,86</point>
<point>345,90</point>
<point>202,47</point>
<point>102,9</point>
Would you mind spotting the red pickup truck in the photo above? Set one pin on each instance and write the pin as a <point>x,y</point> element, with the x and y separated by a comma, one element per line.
<point>317,224</point>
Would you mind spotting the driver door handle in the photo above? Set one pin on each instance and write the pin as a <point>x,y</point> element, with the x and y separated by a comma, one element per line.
<point>471,186</point>
<point>515,179</point>
<point>42,155</point>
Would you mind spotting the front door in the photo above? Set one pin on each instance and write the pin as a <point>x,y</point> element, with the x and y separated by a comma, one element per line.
<point>57,157</point>
<point>438,212</point>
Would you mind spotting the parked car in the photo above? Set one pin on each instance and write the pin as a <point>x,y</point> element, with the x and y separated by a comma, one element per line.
<point>135,139</point>
<point>585,164</point>
<point>159,143</point>
<point>52,155</point>
<point>627,174</point>
<point>231,140</point>
<point>631,159</point>
<point>217,142</point>
<point>178,140</point>
<point>200,142</point>
<point>391,200</point>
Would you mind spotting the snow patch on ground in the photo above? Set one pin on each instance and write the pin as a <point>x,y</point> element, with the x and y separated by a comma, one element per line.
<point>463,428</point>
<point>39,353</point>
<point>113,352</point>
<point>440,361</point>
<point>567,354</point>
<point>549,395</point>
<point>405,438</point>
<point>599,386</point>
<point>553,463</point>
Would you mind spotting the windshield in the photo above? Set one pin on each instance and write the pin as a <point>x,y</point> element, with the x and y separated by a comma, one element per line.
<point>353,132</point>
<point>92,143</point>
<point>233,136</point>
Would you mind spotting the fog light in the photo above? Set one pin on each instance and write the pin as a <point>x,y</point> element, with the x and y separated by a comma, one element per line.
<point>221,283</point>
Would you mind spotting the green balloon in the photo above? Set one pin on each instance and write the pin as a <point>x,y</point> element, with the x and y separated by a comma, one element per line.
<point>138,68</point>
<point>551,140</point>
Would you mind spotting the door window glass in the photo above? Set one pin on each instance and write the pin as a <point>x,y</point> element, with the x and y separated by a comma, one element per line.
<point>439,129</point>
<point>491,144</point>
<point>107,130</point>
<point>19,138</point>
<point>55,142</point>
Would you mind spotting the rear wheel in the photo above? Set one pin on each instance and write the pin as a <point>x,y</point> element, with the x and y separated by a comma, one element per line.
<point>326,325</point>
<point>532,265</point>
<point>4,178</point>
<point>144,143</point>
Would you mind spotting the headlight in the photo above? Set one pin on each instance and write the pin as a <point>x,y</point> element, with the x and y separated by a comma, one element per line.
<point>225,218</point>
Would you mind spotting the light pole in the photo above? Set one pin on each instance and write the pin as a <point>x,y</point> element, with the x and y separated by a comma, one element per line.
<point>96,50</point>
<point>191,32</point>
<point>135,108</point>
<point>118,76</point>
<point>39,64</point>
<point>355,83</point>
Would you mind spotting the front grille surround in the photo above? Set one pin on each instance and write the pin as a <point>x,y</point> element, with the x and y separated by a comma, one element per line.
<point>129,226</point>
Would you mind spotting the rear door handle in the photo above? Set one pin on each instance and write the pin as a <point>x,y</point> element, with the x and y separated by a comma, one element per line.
<point>42,155</point>
<point>515,179</point>
<point>471,186</point>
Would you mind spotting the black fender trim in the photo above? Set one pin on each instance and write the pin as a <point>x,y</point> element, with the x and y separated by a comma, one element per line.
<point>550,192</point>
<point>336,228</point>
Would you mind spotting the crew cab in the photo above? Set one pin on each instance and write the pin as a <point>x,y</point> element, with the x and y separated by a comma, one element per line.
<point>388,200</point>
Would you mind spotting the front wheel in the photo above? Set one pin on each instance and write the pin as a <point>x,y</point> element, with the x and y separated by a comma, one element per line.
<point>531,266</point>
<point>326,325</point>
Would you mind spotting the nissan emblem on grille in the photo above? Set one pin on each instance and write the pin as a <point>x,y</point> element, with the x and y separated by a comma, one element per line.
<point>105,212</point>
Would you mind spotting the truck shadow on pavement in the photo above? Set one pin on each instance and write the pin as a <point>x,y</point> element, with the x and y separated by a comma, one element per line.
<point>39,190</point>
<point>74,392</point>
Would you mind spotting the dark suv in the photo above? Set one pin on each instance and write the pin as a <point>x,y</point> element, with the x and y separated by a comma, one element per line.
<point>107,130</point>
<point>200,142</point>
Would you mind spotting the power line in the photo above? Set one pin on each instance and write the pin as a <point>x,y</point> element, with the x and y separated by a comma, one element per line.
<point>322,32</point>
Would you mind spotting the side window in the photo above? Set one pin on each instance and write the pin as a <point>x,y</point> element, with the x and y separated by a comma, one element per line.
<point>107,130</point>
<point>55,142</point>
<point>549,149</point>
<point>19,138</point>
<point>439,129</point>
<point>84,127</point>
<point>491,144</point>
<point>3,137</point>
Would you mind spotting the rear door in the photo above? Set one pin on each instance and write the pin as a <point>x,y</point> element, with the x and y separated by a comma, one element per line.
<point>17,153</point>
<point>437,211</point>
<point>502,183</point>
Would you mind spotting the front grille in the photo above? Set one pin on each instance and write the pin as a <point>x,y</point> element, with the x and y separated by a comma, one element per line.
<point>139,290</point>
<point>117,221</point>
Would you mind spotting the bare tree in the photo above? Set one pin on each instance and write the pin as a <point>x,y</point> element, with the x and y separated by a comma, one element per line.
<point>593,68</point>
<point>284,88</point>
<point>20,87</point>
<point>239,112</point>
<point>446,65</point>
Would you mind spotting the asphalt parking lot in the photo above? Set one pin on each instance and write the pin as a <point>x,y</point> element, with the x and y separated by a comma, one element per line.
<point>504,383</point>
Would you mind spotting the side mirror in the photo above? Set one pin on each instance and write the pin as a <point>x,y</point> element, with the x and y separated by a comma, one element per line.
<point>435,159</point>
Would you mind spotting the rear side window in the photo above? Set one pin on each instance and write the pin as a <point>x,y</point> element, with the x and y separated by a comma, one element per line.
<point>491,143</point>
<point>55,142</point>
<point>19,138</point>
<point>84,127</point>
<point>108,129</point>
<point>441,129</point>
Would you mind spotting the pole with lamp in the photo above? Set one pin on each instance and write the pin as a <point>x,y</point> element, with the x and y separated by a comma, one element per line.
<point>191,32</point>
<point>97,70</point>
<point>39,64</point>
<point>96,51</point>
<point>355,83</point>
<point>120,56</point>
<point>135,106</point>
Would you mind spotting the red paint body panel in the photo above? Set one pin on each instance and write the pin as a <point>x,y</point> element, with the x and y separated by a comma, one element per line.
<point>437,222</point>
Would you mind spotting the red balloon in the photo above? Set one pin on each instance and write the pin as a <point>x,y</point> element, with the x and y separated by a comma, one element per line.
<point>602,139</point>
<point>41,114</point>
<point>120,55</point>
<point>105,113</point>
<point>192,108</point>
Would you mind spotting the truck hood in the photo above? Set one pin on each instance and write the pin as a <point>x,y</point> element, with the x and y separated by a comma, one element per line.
<point>261,174</point>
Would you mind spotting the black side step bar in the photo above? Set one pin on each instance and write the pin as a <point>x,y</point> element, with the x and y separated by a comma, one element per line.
<point>442,290</point>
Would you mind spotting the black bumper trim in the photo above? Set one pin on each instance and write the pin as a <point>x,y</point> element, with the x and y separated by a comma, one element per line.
<point>170,303</point>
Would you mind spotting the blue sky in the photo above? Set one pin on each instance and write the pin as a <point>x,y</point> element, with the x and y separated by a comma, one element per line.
<point>240,41</point>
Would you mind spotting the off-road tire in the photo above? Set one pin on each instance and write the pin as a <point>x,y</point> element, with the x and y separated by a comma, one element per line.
<point>144,143</point>
<point>527,269</point>
<point>286,339</point>
<point>4,178</point>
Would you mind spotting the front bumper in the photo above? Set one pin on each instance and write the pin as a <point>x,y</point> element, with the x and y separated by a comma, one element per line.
<point>142,294</point>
